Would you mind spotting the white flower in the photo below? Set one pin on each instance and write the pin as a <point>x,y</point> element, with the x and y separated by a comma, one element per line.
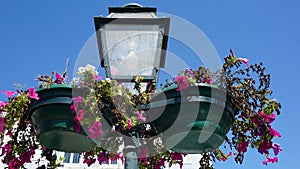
<point>89,67</point>
<point>75,80</point>
<point>81,69</point>
<point>120,92</point>
<point>108,80</point>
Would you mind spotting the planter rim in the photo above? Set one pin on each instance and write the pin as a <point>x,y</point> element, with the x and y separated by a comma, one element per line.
<point>54,86</point>
<point>195,85</point>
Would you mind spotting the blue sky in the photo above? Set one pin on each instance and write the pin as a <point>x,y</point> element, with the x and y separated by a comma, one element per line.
<point>37,37</point>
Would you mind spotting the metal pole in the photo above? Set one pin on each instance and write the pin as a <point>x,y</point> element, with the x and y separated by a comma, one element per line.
<point>131,160</point>
<point>131,150</point>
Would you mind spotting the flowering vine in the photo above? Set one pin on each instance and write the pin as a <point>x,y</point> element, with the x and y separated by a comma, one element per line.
<point>105,103</point>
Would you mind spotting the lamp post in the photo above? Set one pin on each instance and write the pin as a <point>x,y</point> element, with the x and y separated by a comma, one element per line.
<point>132,41</point>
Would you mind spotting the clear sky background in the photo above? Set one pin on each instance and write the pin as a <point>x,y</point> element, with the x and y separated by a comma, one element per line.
<point>37,36</point>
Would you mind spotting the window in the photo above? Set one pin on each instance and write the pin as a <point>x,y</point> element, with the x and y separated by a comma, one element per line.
<point>67,157</point>
<point>76,158</point>
<point>114,162</point>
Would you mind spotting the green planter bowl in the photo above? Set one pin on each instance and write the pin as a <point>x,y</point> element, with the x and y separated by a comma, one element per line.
<point>53,120</point>
<point>194,120</point>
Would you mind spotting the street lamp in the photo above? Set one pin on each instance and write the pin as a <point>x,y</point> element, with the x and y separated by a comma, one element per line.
<point>132,41</point>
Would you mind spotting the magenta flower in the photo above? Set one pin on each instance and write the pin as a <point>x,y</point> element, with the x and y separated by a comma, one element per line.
<point>182,83</point>
<point>32,94</point>
<point>89,161</point>
<point>274,133</point>
<point>26,156</point>
<point>96,77</point>
<point>244,60</point>
<point>207,80</point>
<point>59,79</point>
<point>159,164</point>
<point>176,156</point>
<point>80,115</point>
<point>270,160</point>
<point>73,108</point>
<point>77,126</point>
<point>268,118</point>
<point>141,117</point>
<point>118,156</point>
<point>2,124</point>
<point>129,124</point>
<point>276,148</point>
<point>242,147</point>
<point>2,104</point>
<point>102,158</point>
<point>9,93</point>
<point>190,71</point>
<point>6,149</point>
<point>95,130</point>
<point>264,147</point>
<point>77,99</point>
<point>14,163</point>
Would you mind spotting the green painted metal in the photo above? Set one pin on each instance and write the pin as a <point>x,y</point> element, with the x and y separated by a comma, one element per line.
<point>54,121</point>
<point>194,120</point>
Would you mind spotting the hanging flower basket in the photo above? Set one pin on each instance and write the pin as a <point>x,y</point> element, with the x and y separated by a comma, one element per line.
<point>194,120</point>
<point>54,122</point>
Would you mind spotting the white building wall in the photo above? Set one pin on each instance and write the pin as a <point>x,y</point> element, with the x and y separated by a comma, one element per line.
<point>190,161</point>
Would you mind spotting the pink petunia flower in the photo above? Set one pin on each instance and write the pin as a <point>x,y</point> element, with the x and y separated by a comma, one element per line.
<point>190,71</point>
<point>2,124</point>
<point>274,133</point>
<point>242,147</point>
<point>141,117</point>
<point>73,108</point>
<point>80,115</point>
<point>59,79</point>
<point>26,156</point>
<point>176,156</point>
<point>244,60</point>
<point>182,83</point>
<point>264,147</point>
<point>159,164</point>
<point>207,80</point>
<point>276,148</point>
<point>32,94</point>
<point>9,93</point>
<point>77,126</point>
<point>6,149</point>
<point>14,163</point>
<point>102,158</point>
<point>270,160</point>
<point>95,130</point>
<point>96,77</point>
<point>129,124</point>
<point>89,161</point>
<point>77,99</point>
<point>268,118</point>
<point>118,156</point>
<point>2,104</point>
